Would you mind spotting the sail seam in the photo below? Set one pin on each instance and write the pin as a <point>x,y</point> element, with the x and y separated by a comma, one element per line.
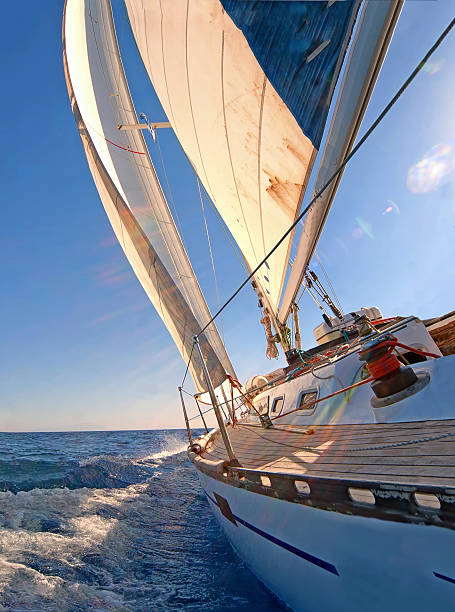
<point>229,147</point>
<point>190,100</point>
<point>174,125</point>
<point>368,86</point>
<point>264,84</point>
<point>144,180</point>
<point>211,254</point>
<point>202,311</point>
<point>345,161</point>
<point>112,74</point>
<point>141,178</point>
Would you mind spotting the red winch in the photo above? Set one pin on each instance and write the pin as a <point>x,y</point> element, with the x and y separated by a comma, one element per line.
<point>384,366</point>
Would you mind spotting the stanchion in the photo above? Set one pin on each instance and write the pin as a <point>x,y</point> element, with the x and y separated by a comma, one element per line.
<point>216,408</point>
<point>188,429</point>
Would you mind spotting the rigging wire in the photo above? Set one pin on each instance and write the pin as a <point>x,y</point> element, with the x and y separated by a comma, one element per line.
<point>223,227</point>
<point>362,140</point>
<point>315,299</point>
<point>335,297</point>
<point>315,285</point>
<point>304,288</point>
<point>168,188</point>
<point>210,252</point>
<point>187,365</point>
<point>119,110</point>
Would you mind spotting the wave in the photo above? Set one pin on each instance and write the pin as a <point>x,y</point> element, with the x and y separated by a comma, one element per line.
<point>97,472</point>
<point>120,533</point>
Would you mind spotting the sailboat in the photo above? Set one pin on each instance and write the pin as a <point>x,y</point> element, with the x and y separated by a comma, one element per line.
<point>333,476</point>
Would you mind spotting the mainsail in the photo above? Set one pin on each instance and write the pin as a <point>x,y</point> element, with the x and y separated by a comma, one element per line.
<point>368,50</point>
<point>247,87</point>
<point>128,186</point>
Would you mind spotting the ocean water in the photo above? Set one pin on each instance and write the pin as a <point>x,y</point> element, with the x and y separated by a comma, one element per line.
<point>113,521</point>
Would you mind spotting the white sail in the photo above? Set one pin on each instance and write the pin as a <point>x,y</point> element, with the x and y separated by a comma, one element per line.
<point>244,142</point>
<point>373,35</point>
<point>128,186</point>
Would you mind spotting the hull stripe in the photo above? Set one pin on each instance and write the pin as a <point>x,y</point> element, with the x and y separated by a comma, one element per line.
<point>444,577</point>
<point>296,551</point>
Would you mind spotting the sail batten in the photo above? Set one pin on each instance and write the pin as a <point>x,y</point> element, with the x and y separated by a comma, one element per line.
<point>247,96</point>
<point>128,185</point>
<point>374,32</point>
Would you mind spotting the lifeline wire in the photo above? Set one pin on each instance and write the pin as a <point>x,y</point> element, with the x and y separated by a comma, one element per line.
<point>373,126</point>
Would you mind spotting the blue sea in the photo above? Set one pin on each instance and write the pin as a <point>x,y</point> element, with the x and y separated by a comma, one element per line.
<point>113,520</point>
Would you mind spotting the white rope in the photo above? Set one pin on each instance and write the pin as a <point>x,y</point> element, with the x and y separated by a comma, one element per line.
<point>272,351</point>
<point>405,443</point>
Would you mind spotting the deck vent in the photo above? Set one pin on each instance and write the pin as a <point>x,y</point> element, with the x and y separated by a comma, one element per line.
<point>362,496</point>
<point>303,488</point>
<point>427,500</point>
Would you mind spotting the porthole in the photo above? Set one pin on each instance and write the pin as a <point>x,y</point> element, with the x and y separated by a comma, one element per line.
<point>306,402</point>
<point>277,405</point>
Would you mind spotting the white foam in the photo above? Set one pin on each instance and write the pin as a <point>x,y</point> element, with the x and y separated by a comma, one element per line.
<point>39,566</point>
<point>172,446</point>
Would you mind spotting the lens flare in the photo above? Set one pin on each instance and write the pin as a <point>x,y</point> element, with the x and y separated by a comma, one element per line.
<point>392,207</point>
<point>365,227</point>
<point>430,173</point>
<point>433,67</point>
<point>357,232</point>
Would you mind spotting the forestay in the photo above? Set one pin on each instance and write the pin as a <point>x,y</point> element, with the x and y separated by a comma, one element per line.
<point>246,87</point>
<point>128,186</point>
<point>374,32</point>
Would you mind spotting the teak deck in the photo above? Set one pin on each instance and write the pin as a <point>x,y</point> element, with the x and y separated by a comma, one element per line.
<point>413,453</point>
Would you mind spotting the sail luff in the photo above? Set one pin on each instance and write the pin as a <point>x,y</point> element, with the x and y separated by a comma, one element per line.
<point>376,24</point>
<point>129,189</point>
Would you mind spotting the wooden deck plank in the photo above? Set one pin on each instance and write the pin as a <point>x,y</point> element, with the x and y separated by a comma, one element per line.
<point>447,461</point>
<point>435,447</point>
<point>278,449</point>
<point>247,438</point>
<point>399,470</point>
<point>395,436</point>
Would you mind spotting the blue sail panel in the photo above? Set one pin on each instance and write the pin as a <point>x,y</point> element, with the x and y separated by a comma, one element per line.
<point>290,42</point>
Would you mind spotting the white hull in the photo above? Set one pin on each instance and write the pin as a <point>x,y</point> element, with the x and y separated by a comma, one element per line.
<point>313,559</point>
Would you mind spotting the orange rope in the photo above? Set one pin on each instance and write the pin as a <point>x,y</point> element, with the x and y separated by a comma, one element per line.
<point>414,350</point>
<point>387,363</point>
<point>379,368</point>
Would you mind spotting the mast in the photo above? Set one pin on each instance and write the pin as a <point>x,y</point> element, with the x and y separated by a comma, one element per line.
<point>298,339</point>
<point>373,35</point>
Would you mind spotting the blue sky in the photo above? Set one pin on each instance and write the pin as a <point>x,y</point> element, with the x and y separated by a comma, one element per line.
<point>82,348</point>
